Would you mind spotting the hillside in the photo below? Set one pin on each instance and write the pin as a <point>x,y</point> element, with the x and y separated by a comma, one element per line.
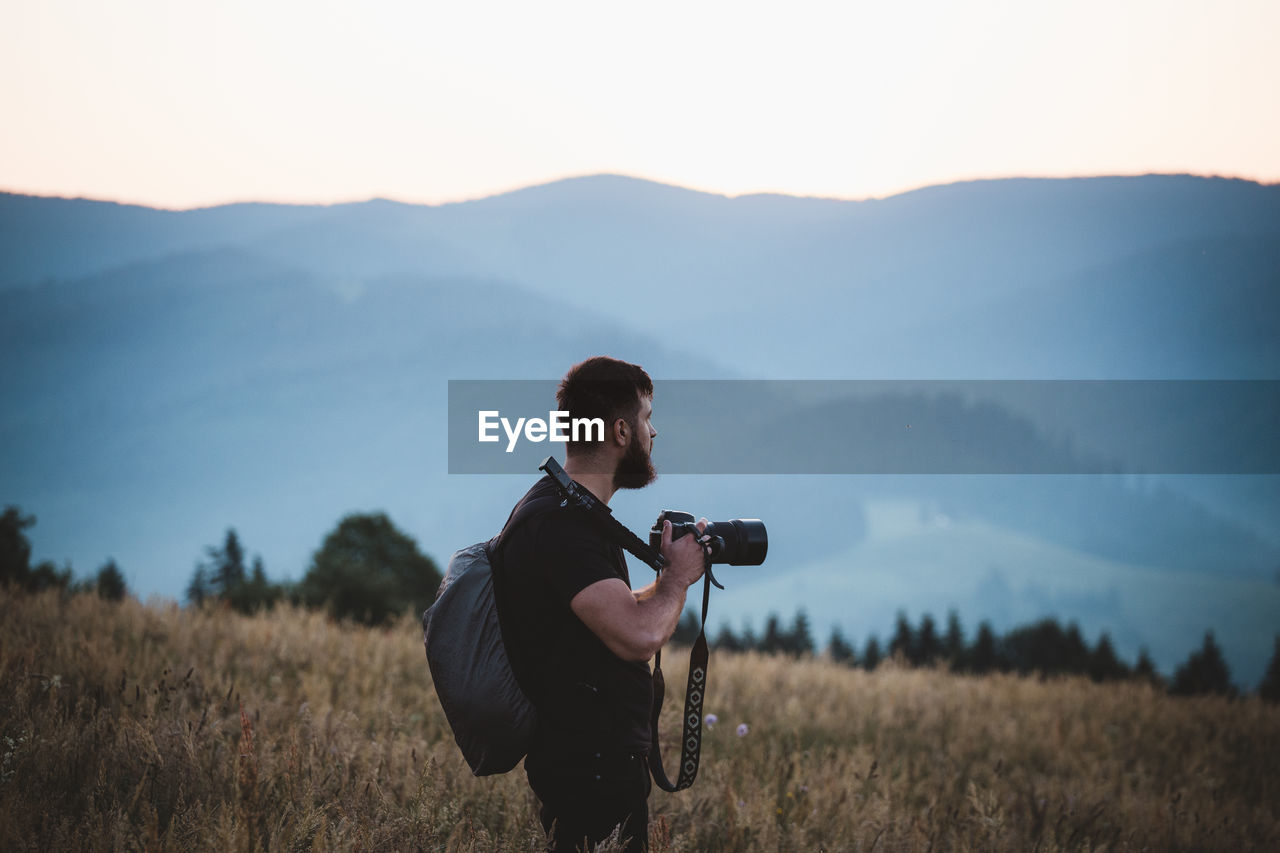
<point>135,727</point>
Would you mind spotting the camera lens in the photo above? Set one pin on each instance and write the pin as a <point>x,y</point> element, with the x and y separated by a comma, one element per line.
<point>746,542</point>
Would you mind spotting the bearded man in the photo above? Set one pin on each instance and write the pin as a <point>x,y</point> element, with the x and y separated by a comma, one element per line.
<point>579,637</point>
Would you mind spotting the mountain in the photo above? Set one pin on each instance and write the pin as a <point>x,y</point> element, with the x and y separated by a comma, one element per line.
<point>168,374</point>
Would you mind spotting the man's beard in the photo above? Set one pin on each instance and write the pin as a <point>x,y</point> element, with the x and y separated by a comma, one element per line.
<point>635,469</point>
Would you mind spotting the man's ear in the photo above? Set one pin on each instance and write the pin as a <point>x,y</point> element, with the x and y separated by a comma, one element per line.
<point>621,432</point>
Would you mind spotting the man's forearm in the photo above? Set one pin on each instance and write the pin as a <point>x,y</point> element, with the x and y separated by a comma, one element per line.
<point>662,603</point>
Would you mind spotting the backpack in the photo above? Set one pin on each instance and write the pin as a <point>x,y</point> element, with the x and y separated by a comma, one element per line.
<point>491,716</point>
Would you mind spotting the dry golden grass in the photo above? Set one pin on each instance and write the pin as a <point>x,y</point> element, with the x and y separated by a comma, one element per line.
<point>122,729</point>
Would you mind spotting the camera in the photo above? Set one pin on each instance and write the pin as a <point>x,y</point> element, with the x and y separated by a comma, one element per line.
<point>737,542</point>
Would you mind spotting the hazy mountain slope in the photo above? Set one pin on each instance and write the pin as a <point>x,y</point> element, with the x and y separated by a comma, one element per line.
<point>53,238</point>
<point>1205,308</point>
<point>217,389</point>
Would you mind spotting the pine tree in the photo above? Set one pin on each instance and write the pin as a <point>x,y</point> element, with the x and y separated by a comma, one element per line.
<point>1103,663</point>
<point>1145,669</point>
<point>953,643</point>
<point>799,640</point>
<point>839,648</point>
<point>1075,652</point>
<point>904,641</point>
<point>727,640</point>
<point>871,654</point>
<point>772,642</point>
<point>15,549</point>
<point>198,588</point>
<point>1204,671</point>
<point>109,582</point>
<point>984,657</point>
<point>687,629</point>
<point>228,564</point>
<point>1269,689</point>
<point>928,648</point>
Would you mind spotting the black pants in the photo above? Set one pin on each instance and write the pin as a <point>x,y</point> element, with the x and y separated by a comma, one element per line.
<point>584,798</point>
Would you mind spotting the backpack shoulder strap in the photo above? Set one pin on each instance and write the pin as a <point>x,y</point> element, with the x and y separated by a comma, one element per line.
<point>522,512</point>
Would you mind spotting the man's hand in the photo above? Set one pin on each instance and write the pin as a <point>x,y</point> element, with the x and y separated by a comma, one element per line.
<point>684,556</point>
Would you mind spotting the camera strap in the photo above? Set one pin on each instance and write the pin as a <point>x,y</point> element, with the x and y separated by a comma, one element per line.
<point>695,692</point>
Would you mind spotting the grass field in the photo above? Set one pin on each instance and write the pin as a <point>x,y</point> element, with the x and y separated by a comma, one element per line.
<point>134,727</point>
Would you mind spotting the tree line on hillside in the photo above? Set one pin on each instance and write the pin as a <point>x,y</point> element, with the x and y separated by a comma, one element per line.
<point>366,569</point>
<point>369,571</point>
<point>1044,648</point>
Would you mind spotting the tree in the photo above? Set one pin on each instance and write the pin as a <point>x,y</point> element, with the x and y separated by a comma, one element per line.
<point>1046,648</point>
<point>223,578</point>
<point>1205,671</point>
<point>15,556</point>
<point>1075,654</point>
<point>728,640</point>
<point>773,640</point>
<point>224,572</point>
<point>903,642</point>
<point>1103,663</point>
<point>1145,669</point>
<point>985,655</point>
<point>839,648</point>
<point>198,589</point>
<point>798,640</point>
<point>871,654</point>
<point>256,592</point>
<point>953,642</point>
<point>928,648</point>
<point>687,629</point>
<point>1269,689</point>
<point>48,576</point>
<point>109,582</point>
<point>15,550</point>
<point>368,570</point>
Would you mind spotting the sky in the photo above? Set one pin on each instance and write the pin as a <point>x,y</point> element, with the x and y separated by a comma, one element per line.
<point>179,104</point>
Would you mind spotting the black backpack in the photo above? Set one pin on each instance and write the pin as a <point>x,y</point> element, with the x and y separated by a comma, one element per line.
<point>491,717</point>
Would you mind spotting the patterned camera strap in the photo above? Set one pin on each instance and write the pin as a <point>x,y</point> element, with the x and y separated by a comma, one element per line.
<point>695,692</point>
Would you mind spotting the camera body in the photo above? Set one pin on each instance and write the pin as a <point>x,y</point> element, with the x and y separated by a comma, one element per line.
<point>737,542</point>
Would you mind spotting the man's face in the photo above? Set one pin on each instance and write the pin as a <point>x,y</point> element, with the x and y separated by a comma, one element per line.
<point>635,470</point>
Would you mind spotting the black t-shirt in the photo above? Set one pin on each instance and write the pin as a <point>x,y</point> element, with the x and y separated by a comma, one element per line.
<point>587,697</point>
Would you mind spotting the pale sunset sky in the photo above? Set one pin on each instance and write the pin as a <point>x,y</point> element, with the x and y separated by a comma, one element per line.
<point>179,104</point>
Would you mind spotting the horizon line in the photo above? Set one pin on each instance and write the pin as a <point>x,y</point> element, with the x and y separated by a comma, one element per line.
<point>639,179</point>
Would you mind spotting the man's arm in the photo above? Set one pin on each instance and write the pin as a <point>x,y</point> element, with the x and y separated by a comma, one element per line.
<point>635,625</point>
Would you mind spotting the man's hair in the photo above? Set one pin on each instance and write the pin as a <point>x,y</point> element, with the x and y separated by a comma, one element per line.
<point>604,388</point>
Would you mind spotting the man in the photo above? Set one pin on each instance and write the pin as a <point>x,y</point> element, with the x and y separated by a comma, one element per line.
<point>578,636</point>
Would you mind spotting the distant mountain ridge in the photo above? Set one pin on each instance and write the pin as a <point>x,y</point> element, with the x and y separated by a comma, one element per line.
<point>889,268</point>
